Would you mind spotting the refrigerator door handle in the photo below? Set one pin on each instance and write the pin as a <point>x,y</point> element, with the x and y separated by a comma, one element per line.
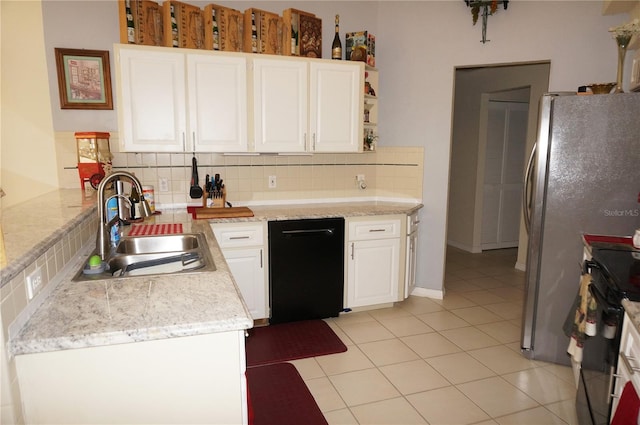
<point>527,198</point>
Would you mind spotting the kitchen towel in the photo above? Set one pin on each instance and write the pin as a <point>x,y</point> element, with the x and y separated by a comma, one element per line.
<point>628,407</point>
<point>155,229</point>
<point>583,317</point>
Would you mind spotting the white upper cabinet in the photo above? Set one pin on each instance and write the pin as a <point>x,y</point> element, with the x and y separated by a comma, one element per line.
<point>172,101</point>
<point>280,105</point>
<point>335,106</point>
<point>151,100</point>
<point>217,102</point>
<point>303,105</point>
<point>184,100</point>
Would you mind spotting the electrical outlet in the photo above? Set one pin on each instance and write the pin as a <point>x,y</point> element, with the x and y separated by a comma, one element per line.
<point>360,177</point>
<point>272,182</point>
<point>164,184</point>
<point>34,283</point>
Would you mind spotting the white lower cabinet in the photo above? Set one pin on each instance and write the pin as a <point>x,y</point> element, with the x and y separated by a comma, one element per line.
<point>243,247</point>
<point>373,252</point>
<point>628,361</point>
<point>187,380</point>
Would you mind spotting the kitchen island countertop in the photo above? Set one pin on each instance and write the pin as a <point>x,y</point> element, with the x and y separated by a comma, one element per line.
<point>144,308</point>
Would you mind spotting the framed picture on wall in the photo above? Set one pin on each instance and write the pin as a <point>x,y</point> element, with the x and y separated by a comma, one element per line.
<point>84,79</point>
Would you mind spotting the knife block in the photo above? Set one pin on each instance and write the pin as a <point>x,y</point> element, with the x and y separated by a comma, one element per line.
<point>209,201</point>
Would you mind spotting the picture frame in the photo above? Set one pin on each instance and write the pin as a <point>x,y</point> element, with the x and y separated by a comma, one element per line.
<point>84,79</point>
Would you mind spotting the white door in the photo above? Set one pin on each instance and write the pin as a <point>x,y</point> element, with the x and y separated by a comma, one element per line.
<point>336,106</point>
<point>152,100</point>
<point>504,165</point>
<point>217,103</point>
<point>280,105</point>
<point>372,272</point>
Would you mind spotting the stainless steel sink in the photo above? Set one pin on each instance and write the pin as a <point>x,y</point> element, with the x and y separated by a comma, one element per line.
<point>154,244</point>
<point>153,255</point>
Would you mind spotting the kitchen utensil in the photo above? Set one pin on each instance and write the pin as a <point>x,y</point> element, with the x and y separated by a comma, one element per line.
<point>195,191</point>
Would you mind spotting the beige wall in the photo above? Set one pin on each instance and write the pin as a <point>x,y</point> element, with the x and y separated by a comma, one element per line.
<point>28,166</point>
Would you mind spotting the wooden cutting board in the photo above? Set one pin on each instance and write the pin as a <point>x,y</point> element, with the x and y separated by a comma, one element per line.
<point>231,212</point>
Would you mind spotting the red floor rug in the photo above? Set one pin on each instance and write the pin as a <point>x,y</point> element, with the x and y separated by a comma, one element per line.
<point>279,396</point>
<point>291,341</point>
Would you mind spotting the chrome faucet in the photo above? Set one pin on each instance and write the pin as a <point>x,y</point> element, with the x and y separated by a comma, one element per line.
<point>104,229</point>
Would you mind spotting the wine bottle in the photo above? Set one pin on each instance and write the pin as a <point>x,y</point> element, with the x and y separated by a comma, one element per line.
<point>336,47</point>
<point>131,31</point>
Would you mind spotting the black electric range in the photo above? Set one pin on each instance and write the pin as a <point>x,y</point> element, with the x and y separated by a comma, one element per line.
<point>615,275</point>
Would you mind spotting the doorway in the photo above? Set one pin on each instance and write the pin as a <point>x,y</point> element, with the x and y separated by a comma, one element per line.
<point>474,88</point>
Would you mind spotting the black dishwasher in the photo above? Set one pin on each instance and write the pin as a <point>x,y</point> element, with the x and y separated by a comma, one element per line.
<point>306,269</point>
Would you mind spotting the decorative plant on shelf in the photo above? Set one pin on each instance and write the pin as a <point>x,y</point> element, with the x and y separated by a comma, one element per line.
<point>370,141</point>
<point>486,7</point>
<point>623,35</point>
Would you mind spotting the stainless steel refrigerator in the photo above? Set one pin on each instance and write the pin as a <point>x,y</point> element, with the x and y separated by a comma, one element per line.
<point>583,177</point>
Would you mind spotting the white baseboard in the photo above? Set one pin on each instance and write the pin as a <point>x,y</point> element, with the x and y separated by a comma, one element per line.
<point>428,293</point>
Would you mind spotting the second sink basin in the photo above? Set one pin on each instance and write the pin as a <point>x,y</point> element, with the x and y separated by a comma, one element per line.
<point>155,244</point>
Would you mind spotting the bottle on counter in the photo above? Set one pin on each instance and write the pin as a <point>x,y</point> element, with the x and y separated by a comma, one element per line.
<point>112,211</point>
<point>336,46</point>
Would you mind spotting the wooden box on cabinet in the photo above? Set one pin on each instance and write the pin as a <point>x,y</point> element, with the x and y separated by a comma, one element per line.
<point>141,22</point>
<point>183,25</point>
<point>360,46</point>
<point>223,28</point>
<point>299,25</point>
<point>262,32</point>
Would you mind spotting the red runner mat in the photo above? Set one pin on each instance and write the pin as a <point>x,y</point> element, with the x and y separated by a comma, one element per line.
<point>279,396</point>
<point>291,341</point>
<point>155,229</point>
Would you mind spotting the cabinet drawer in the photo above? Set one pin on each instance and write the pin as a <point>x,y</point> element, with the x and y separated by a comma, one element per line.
<point>232,235</point>
<point>379,229</point>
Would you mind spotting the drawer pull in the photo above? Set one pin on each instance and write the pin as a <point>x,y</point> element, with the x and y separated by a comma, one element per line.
<point>376,230</point>
<point>627,362</point>
<point>239,237</point>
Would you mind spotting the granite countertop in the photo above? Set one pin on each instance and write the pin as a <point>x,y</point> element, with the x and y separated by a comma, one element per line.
<point>143,308</point>
<point>134,309</point>
<point>633,310</point>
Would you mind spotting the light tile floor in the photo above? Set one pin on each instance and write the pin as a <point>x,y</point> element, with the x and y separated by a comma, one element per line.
<point>452,361</point>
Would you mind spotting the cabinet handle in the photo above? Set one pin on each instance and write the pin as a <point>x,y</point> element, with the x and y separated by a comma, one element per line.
<point>261,265</point>
<point>314,141</point>
<point>239,237</point>
<point>627,363</point>
<point>376,230</point>
<point>193,137</point>
<point>352,249</point>
<point>184,142</point>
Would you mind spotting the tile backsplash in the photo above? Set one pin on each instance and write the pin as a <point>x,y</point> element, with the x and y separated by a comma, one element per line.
<point>393,172</point>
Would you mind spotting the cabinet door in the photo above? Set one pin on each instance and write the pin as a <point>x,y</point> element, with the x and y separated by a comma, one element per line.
<point>336,106</point>
<point>152,96</point>
<point>410,264</point>
<point>247,267</point>
<point>372,272</point>
<point>217,103</point>
<point>280,105</point>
